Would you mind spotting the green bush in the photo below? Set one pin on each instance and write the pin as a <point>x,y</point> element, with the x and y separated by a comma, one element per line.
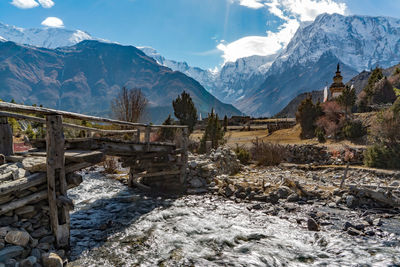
<point>384,157</point>
<point>320,134</point>
<point>29,132</point>
<point>354,129</point>
<point>242,154</point>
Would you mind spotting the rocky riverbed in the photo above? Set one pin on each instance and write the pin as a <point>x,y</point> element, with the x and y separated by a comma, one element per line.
<point>117,226</point>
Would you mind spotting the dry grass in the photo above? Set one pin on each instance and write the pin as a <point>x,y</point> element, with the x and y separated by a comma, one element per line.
<point>110,166</point>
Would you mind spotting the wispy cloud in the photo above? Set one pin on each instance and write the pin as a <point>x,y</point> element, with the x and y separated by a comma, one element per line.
<point>292,12</point>
<point>53,22</point>
<point>46,3</point>
<point>25,4</point>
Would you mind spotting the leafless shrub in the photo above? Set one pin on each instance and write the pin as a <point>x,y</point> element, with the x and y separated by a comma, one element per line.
<point>267,154</point>
<point>129,105</point>
<point>110,166</point>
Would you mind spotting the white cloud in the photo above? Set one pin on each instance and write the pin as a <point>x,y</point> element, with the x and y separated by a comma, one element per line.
<point>53,22</point>
<point>292,12</point>
<point>24,4</point>
<point>255,4</point>
<point>46,3</point>
<point>259,45</point>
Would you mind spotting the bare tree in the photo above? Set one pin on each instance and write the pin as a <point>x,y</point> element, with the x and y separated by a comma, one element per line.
<point>129,105</point>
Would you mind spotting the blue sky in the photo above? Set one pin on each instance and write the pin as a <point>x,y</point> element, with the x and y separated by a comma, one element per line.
<point>204,33</point>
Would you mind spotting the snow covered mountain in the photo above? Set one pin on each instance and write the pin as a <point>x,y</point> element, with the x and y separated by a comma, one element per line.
<point>309,61</point>
<point>46,37</point>
<point>228,84</point>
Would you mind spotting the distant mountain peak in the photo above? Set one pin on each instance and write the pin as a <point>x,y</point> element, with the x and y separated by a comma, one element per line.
<point>45,37</point>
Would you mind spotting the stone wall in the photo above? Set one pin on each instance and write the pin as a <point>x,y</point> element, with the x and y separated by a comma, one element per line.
<point>26,238</point>
<point>321,155</point>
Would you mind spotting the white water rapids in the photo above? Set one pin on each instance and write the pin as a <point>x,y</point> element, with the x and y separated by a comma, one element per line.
<point>116,226</point>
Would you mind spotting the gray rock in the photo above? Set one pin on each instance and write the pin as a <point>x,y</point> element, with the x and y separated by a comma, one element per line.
<point>47,239</point>
<point>395,183</point>
<point>18,238</point>
<point>36,253</point>
<point>377,222</point>
<point>312,225</point>
<point>10,252</point>
<point>350,201</point>
<point>293,197</point>
<point>28,262</point>
<point>7,220</point>
<point>34,164</point>
<point>283,192</point>
<point>40,232</point>
<point>196,183</point>
<point>354,232</point>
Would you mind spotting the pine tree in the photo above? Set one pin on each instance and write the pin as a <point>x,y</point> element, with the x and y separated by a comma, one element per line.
<point>185,111</point>
<point>225,123</point>
<point>375,77</point>
<point>167,133</point>
<point>213,132</point>
<point>307,114</point>
<point>347,99</point>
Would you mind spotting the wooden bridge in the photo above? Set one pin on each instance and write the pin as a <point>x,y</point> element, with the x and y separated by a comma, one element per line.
<point>153,165</point>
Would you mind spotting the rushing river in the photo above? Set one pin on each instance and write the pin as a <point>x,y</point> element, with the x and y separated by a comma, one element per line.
<point>116,226</point>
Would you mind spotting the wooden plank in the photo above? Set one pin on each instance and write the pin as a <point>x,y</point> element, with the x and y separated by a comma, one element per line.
<point>147,138</point>
<point>6,137</point>
<point>46,111</point>
<point>93,157</point>
<point>56,172</point>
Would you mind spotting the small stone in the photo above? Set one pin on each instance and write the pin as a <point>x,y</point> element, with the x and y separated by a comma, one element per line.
<point>18,238</point>
<point>10,252</point>
<point>312,225</point>
<point>40,232</point>
<point>36,253</point>
<point>395,183</point>
<point>354,232</point>
<point>28,262</point>
<point>7,220</point>
<point>52,260</point>
<point>283,192</point>
<point>377,222</point>
<point>43,246</point>
<point>350,201</point>
<point>34,164</point>
<point>47,239</point>
<point>293,197</point>
<point>195,183</point>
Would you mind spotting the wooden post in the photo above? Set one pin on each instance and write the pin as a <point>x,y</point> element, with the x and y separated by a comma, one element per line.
<point>138,135</point>
<point>184,155</point>
<point>6,137</point>
<point>147,137</point>
<point>59,216</point>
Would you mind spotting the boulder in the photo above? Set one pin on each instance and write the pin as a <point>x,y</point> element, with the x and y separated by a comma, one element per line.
<point>52,260</point>
<point>35,164</point>
<point>18,238</point>
<point>195,183</point>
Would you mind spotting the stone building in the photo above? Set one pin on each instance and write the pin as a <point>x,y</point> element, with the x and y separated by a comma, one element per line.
<point>337,86</point>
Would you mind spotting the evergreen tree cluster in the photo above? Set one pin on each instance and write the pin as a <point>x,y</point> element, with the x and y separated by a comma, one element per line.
<point>185,111</point>
<point>213,132</point>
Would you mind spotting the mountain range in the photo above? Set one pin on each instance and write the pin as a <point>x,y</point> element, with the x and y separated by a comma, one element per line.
<point>86,76</point>
<point>262,86</point>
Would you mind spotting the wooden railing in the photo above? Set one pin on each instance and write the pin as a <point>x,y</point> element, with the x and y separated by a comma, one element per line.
<point>55,152</point>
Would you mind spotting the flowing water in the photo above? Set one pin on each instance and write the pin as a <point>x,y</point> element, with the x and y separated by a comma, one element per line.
<point>116,226</point>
